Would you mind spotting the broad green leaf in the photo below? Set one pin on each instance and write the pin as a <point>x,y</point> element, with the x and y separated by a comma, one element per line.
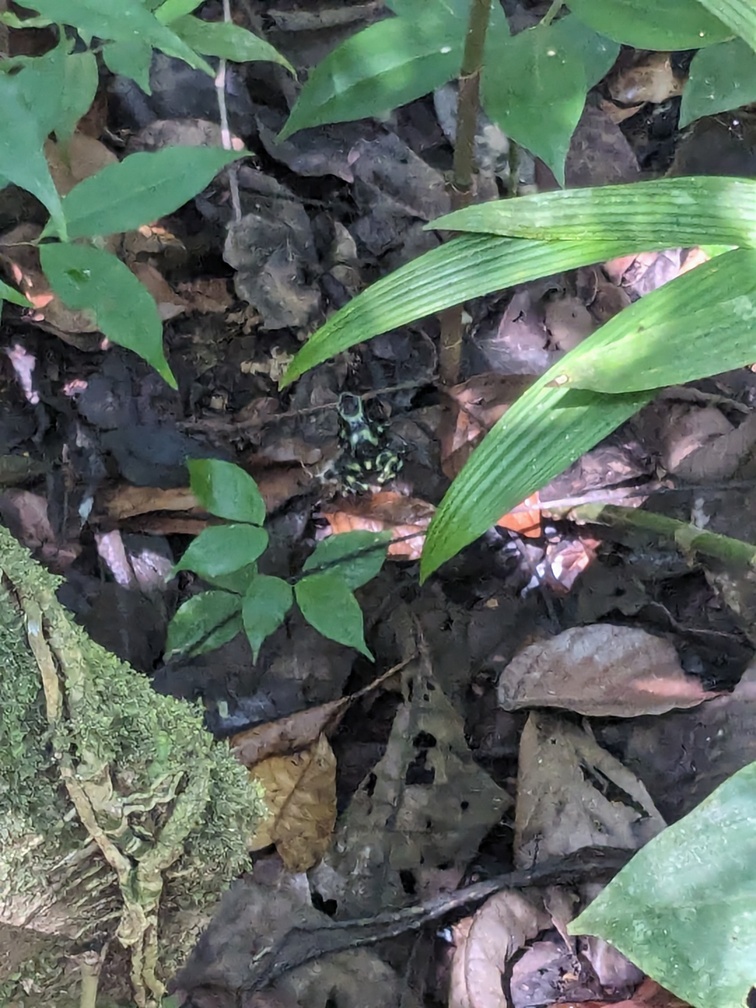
<point>81,78</point>
<point>329,606</point>
<point>222,549</point>
<point>130,59</point>
<point>739,15</point>
<point>355,556</point>
<point>684,908</point>
<point>8,293</point>
<point>41,81</point>
<point>22,160</point>
<point>227,41</point>
<point>534,85</point>
<point>722,77</point>
<point>14,21</point>
<point>701,323</point>
<point>89,278</point>
<point>204,622</point>
<point>141,188</point>
<point>680,211</point>
<point>539,436</point>
<point>236,581</point>
<point>265,605</point>
<point>378,69</point>
<point>661,25</point>
<point>173,9</point>
<point>122,22</point>
<point>225,490</point>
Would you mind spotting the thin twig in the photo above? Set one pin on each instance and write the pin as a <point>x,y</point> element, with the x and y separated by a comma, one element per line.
<point>220,91</point>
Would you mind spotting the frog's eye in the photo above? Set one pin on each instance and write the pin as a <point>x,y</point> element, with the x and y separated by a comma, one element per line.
<point>350,407</point>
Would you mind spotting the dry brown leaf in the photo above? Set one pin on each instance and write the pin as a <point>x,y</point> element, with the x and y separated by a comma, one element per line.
<point>127,501</point>
<point>286,735</point>
<point>386,510</point>
<point>474,408</point>
<point>600,670</point>
<point>571,794</point>
<point>300,792</point>
<point>502,926</point>
<point>648,995</point>
<point>650,78</point>
<point>76,159</point>
<point>526,519</point>
<point>169,304</point>
<point>208,295</point>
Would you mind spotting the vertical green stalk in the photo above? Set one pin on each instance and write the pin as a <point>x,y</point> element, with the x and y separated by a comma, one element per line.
<point>464,167</point>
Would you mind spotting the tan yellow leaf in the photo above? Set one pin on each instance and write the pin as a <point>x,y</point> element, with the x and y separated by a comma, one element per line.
<point>300,792</point>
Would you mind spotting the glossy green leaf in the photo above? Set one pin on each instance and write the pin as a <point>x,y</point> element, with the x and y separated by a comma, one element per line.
<point>225,490</point>
<point>8,293</point>
<point>702,323</point>
<point>679,211</point>
<point>141,188</point>
<point>22,160</point>
<point>222,549</point>
<point>330,607</point>
<point>227,41</point>
<point>122,22</point>
<point>721,77</point>
<point>130,59</point>
<point>355,556</point>
<point>265,605</point>
<point>204,622</point>
<point>684,908</point>
<point>81,78</point>
<point>237,581</point>
<point>173,9</point>
<point>738,15</point>
<point>661,25</point>
<point>539,436</point>
<point>89,278</point>
<point>534,85</point>
<point>378,69</point>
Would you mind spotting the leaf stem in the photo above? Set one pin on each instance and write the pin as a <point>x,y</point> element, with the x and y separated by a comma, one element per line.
<point>464,168</point>
<point>551,13</point>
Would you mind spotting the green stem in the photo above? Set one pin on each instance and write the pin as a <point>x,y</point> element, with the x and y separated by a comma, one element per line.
<point>464,167</point>
<point>551,13</point>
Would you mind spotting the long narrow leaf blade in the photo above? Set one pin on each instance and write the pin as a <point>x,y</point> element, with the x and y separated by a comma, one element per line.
<point>681,211</point>
<point>702,323</point>
<point>545,430</point>
<point>740,15</point>
<point>464,268</point>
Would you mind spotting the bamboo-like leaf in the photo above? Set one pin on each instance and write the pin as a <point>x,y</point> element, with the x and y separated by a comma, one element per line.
<point>464,268</point>
<point>690,211</point>
<point>541,434</point>
<point>739,15</point>
<point>700,324</point>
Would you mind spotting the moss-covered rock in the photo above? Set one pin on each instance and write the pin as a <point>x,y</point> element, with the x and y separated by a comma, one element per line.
<point>121,820</point>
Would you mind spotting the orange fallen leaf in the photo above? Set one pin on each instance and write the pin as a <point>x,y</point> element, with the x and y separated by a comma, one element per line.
<point>406,517</point>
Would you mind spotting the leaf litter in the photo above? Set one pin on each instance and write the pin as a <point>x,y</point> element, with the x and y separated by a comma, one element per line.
<point>610,672</point>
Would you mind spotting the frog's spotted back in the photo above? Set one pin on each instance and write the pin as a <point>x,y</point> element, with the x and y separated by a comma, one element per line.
<point>369,456</point>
